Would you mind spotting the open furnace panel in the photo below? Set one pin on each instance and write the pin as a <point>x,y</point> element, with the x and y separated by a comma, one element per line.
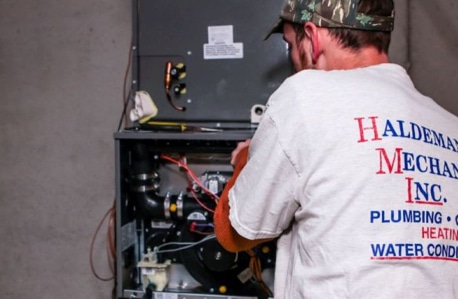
<point>167,189</point>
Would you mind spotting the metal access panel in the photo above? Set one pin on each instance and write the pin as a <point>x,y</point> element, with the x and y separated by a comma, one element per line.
<point>220,67</point>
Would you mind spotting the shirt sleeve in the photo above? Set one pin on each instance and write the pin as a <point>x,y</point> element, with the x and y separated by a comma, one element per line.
<point>262,201</point>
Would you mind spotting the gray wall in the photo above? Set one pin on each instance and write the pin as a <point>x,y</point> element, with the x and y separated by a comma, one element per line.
<point>433,50</point>
<point>61,77</point>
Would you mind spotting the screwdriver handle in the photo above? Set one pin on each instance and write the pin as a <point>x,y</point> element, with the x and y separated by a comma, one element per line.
<point>165,126</point>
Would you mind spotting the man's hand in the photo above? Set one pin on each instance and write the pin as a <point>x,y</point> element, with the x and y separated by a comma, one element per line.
<point>236,151</point>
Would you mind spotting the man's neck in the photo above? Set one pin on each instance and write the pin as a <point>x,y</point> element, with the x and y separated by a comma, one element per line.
<point>343,59</point>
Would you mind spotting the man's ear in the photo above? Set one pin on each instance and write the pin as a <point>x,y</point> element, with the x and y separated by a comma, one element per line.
<point>311,30</point>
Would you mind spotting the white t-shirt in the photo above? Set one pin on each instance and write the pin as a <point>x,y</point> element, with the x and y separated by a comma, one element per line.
<point>357,172</point>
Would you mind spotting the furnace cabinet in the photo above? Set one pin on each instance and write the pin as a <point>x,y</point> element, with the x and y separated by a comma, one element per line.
<point>205,64</point>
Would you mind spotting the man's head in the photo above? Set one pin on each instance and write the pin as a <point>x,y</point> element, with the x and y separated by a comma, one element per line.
<point>375,16</point>
<point>353,24</point>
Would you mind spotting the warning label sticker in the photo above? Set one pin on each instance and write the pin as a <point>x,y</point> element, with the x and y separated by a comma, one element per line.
<point>221,44</point>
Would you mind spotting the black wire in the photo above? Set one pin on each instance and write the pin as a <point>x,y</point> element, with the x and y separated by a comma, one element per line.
<point>126,103</point>
<point>126,76</point>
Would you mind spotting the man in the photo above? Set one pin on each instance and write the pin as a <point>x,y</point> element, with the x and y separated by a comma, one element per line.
<point>352,169</point>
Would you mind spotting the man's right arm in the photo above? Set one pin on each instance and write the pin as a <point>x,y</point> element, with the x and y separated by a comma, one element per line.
<point>227,236</point>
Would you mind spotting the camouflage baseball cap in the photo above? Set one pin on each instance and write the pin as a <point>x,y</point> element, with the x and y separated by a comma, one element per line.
<point>332,14</point>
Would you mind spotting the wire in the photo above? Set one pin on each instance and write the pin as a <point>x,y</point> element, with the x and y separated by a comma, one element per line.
<point>194,228</point>
<point>187,245</point>
<point>126,96</point>
<point>196,198</point>
<point>255,267</point>
<point>192,175</point>
<point>110,214</point>
<point>193,193</point>
<point>124,114</point>
<point>111,247</point>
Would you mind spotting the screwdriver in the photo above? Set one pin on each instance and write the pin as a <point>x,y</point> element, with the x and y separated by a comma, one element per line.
<point>175,127</point>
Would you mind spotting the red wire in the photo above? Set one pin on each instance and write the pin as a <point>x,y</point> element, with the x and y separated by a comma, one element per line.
<point>192,175</point>
<point>201,203</point>
<point>109,213</point>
